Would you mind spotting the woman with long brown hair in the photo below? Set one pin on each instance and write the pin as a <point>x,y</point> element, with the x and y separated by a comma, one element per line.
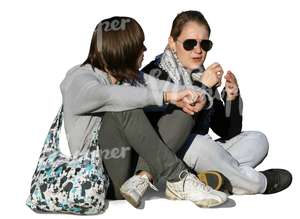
<point>109,89</point>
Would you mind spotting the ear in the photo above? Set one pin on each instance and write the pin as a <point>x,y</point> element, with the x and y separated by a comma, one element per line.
<point>172,44</point>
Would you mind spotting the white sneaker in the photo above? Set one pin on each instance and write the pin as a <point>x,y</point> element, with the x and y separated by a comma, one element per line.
<point>134,189</point>
<point>191,188</point>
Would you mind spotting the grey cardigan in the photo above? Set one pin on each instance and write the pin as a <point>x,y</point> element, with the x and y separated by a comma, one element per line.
<point>87,94</point>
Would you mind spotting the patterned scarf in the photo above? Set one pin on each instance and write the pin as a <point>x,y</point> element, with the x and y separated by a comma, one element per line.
<point>170,63</point>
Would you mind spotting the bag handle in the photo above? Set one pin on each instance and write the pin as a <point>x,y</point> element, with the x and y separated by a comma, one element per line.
<point>52,140</point>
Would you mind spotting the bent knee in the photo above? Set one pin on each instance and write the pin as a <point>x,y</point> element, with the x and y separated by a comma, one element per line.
<point>202,144</point>
<point>183,119</point>
<point>260,141</point>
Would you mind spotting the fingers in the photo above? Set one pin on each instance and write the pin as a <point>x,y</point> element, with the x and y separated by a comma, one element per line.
<point>202,97</point>
<point>230,77</point>
<point>217,69</point>
<point>198,94</point>
<point>198,97</point>
<point>188,111</point>
<point>230,80</point>
<point>199,106</point>
<point>185,107</point>
<point>199,103</point>
<point>190,106</point>
<point>195,107</point>
<point>231,89</point>
<point>227,77</point>
<point>215,64</point>
<point>187,94</point>
<point>192,96</point>
<point>229,85</point>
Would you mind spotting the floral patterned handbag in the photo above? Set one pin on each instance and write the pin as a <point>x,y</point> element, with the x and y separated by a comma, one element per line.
<point>61,184</point>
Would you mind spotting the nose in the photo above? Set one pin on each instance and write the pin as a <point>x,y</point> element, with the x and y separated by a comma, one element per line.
<point>197,48</point>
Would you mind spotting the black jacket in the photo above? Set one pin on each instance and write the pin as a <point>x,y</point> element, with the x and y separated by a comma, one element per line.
<point>225,126</point>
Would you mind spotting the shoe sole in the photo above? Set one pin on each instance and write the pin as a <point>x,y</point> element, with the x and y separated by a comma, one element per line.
<point>208,203</point>
<point>211,178</point>
<point>128,198</point>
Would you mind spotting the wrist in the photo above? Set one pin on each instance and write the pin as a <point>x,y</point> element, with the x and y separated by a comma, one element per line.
<point>230,98</point>
<point>166,97</point>
<point>206,83</point>
<point>233,96</point>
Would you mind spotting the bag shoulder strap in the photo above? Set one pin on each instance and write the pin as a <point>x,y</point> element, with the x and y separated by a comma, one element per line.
<point>52,140</point>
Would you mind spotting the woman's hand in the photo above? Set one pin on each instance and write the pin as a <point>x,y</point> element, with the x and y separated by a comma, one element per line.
<point>231,86</point>
<point>212,76</point>
<point>199,101</point>
<point>189,101</point>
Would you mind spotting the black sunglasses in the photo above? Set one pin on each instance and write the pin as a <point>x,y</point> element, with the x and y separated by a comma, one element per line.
<point>190,44</point>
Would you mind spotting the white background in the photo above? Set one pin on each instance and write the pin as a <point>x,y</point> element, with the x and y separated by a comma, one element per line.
<point>40,41</point>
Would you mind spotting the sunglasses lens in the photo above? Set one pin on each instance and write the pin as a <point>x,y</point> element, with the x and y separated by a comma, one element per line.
<point>189,44</point>
<point>206,45</point>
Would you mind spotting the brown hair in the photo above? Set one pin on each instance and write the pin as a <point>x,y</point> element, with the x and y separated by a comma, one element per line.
<point>184,17</point>
<point>117,43</point>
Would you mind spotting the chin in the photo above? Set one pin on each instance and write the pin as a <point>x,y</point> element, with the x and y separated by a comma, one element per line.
<point>193,66</point>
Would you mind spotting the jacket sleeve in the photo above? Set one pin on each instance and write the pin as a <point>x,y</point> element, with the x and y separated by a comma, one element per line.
<point>87,94</point>
<point>226,120</point>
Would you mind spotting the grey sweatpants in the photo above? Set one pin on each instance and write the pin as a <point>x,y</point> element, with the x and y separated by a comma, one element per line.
<point>125,135</point>
<point>235,158</point>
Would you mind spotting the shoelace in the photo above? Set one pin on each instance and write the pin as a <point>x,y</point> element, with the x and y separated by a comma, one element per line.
<point>194,181</point>
<point>142,185</point>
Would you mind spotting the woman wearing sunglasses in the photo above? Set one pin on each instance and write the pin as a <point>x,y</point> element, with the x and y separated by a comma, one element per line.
<point>236,153</point>
<point>108,89</point>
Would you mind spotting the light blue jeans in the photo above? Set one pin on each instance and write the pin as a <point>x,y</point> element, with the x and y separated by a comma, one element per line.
<point>236,159</point>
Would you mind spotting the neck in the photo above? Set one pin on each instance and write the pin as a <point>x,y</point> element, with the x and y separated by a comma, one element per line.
<point>112,79</point>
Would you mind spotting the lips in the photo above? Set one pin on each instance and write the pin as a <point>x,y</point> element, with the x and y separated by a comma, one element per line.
<point>197,59</point>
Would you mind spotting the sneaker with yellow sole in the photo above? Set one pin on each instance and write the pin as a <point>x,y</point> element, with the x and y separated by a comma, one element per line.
<point>215,180</point>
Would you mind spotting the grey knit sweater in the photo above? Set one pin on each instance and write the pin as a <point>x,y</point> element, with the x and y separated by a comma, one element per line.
<point>87,94</point>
